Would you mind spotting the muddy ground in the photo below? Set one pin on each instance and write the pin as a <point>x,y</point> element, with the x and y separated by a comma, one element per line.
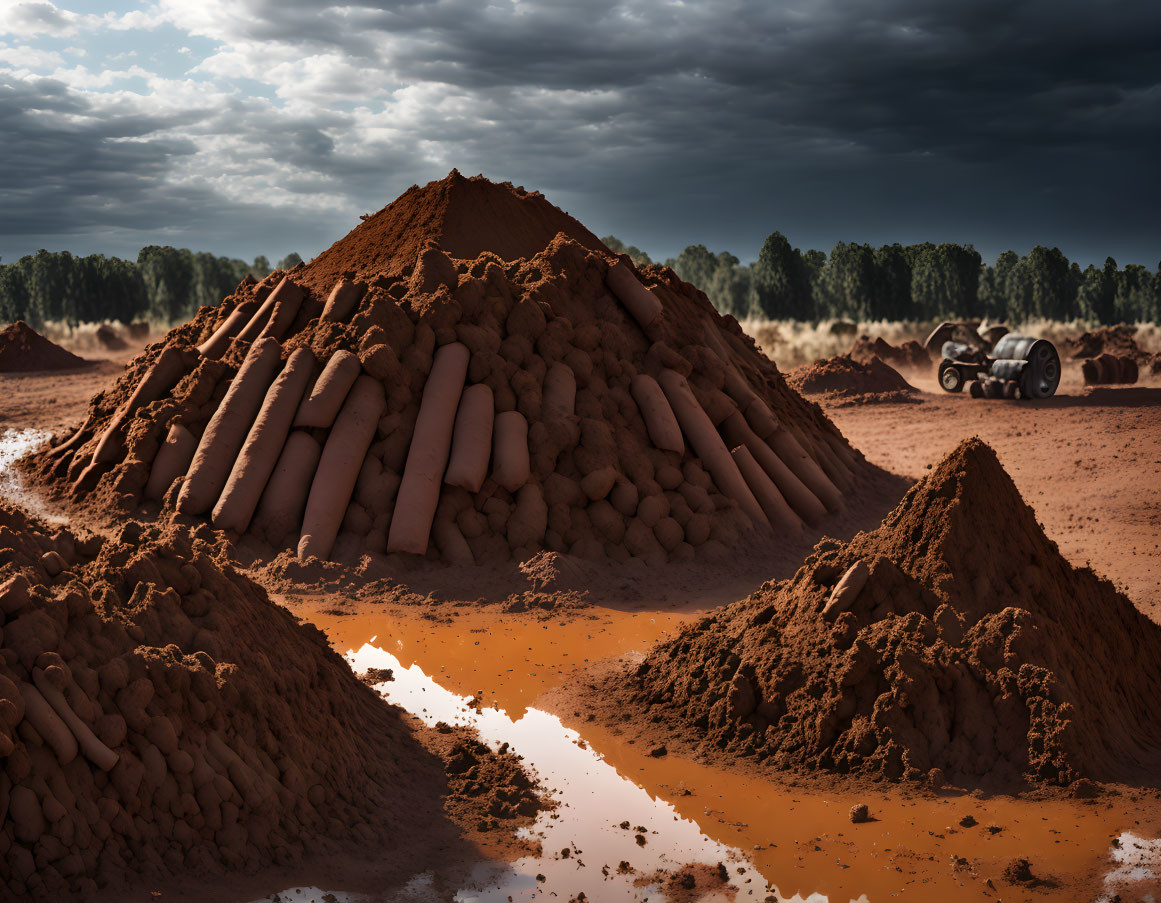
<point>1089,463</point>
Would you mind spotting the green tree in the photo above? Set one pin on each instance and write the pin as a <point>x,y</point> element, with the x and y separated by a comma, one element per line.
<point>782,281</point>
<point>289,262</point>
<point>617,246</point>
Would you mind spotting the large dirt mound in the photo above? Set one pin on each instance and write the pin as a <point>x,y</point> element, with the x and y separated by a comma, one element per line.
<point>849,381</point>
<point>1115,340</point>
<point>473,409</point>
<point>953,637</point>
<point>159,716</point>
<point>24,350</point>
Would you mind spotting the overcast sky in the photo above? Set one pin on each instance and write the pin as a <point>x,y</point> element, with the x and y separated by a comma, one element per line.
<point>249,127</point>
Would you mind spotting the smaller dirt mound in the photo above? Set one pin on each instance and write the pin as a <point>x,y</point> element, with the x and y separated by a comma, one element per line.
<point>846,381</point>
<point>1109,368</point>
<point>1114,340</point>
<point>910,354</point>
<point>952,642</point>
<point>24,350</point>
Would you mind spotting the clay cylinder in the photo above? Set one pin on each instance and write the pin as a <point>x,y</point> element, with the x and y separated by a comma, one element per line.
<point>321,406</point>
<point>511,465</point>
<point>95,751</point>
<point>215,346</point>
<point>263,445</point>
<point>430,447</point>
<point>339,466</point>
<point>847,590</point>
<point>777,511</point>
<point>453,548</point>
<point>806,468</point>
<point>169,367</point>
<point>286,306</point>
<point>341,301</point>
<point>262,317</point>
<point>797,494</point>
<point>171,461</point>
<point>472,439</point>
<point>642,304</point>
<point>659,419</point>
<point>227,429</point>
<point>280,510</point>
<point>48,724</point>
<point>761,419</point>
<point>708,445</point>
<point>559,398</point>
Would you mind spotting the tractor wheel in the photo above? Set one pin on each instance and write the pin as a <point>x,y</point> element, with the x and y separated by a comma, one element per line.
<point>977,389</point>
<point>950,377</point>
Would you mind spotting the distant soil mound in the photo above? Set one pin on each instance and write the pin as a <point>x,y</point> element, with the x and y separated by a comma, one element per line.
<point>159,716</point>
<point>1110,368</point>
<point>954,637</point>
<point>24,350</point>
<point>1115,340</point>
<point>852,382</point>
<point>910,354</point>
<point>470,376</point>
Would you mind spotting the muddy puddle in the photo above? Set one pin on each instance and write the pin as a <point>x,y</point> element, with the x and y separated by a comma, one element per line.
<point>14,444</point>
<point>489,670</point>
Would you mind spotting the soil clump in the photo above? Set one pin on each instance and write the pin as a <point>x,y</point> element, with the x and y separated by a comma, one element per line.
<point>953,643</point>
<point>24,350</point>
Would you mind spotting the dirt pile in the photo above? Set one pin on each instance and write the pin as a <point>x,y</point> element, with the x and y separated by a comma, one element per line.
<point>1115,340</point>
<point>484,381</point>
<point>910,354</point>
<point>952,642</point>
<point>844,380</point>
<point>24,350</point>
<point>159,716</point>
<point>1109,368</point>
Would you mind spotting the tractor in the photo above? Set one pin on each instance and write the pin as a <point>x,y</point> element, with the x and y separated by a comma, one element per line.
<point>994,362</point>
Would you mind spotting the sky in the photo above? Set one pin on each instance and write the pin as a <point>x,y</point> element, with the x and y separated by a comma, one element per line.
<point>248,127</point>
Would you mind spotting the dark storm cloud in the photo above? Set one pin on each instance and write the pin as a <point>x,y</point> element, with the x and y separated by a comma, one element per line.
<point>1005,124</point>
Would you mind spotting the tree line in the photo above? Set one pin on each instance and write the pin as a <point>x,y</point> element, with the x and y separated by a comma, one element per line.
<point>920,282</point>
<point>165,285</point>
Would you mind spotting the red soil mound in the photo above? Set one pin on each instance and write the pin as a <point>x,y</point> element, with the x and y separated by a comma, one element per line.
<point>954,637</point>
<point>1115,340</point>
<point>854,382</point>
<point>463,216</point>
<point>24,350</point>
<point>475,410</point>
<point>909,354</point>
<point>204,731</point>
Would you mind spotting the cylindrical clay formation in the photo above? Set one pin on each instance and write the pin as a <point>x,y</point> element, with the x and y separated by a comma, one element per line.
<point>215,346</point>
<point>261,317</point>
<point>511,465</point>
<point>430,447</point>
<point>341,301</point>
<point>286,307</point>
<point>227,429</point>
<point>95,751</point>
<point>263,444</point>
<point>658,415</point>
<point>280,511</point>
<point>797,494</point>
<point>321,406</point>
<point>472,439</point>
<point>806,468</point>
<point>708,445</point>
<point>338,469</point>
<point>171,461</point>
<point>48,724</point>
<point>644,306</point>
<point>559,398</point>
<point>779,513</point>
<point>169,367</point>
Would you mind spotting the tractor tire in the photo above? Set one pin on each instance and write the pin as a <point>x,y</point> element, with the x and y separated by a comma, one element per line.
<point>950,377</point>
